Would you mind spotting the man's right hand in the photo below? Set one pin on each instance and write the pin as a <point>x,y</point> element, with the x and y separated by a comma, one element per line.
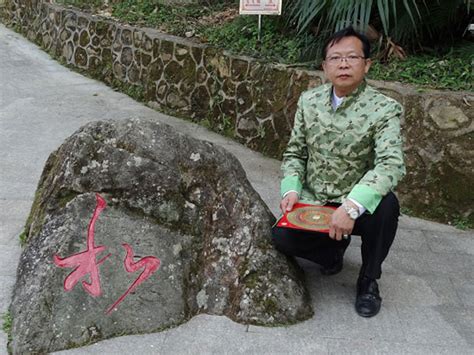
<point>286,204</point>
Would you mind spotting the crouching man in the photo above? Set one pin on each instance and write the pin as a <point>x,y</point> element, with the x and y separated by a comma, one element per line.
<point>345,150</point>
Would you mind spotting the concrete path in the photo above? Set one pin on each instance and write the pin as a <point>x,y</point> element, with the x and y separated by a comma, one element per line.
<point>427,285</point>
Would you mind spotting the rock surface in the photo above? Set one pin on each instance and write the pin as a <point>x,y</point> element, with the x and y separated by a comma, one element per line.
<point>172,198</point>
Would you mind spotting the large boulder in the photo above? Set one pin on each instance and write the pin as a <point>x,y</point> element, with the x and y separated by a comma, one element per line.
<point>122,201</point>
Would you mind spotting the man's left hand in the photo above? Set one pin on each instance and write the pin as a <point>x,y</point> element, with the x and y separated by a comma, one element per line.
<point>341,224</point>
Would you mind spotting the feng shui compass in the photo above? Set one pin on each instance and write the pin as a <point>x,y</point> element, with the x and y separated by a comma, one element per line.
<point>308,217</point>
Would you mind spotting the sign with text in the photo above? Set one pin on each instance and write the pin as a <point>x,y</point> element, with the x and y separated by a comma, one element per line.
<point>260,7</point>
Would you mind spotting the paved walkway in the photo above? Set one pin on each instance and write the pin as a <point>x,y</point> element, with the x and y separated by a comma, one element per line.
<point>428,281</point>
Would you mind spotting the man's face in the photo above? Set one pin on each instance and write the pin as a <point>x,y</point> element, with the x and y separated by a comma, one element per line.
<point>346,74</point>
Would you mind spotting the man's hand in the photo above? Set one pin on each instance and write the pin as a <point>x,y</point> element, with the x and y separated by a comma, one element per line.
<point>341,224</point>
<point>286,204</point>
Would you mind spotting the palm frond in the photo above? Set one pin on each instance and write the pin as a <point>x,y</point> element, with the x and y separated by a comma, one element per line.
<point>409,23</point>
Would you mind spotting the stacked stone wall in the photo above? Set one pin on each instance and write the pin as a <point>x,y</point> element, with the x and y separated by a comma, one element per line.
<point>253,101</point>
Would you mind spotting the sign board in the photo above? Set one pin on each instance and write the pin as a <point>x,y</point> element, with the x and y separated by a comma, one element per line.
<point>260,7</point>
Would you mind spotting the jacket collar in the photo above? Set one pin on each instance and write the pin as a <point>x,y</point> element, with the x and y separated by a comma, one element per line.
<point>349,99</point>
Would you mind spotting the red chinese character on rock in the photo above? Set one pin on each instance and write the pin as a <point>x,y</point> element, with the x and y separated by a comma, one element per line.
<point>85,263</point>
<point>149,264</point>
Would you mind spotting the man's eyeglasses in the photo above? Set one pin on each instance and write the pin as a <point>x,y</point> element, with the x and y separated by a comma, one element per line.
<point>350,59</point>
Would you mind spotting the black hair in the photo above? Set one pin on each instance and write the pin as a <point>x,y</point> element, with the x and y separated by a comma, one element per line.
<point>347,32</point>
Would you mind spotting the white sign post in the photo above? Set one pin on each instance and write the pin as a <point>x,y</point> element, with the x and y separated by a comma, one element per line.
<point>260,7</point>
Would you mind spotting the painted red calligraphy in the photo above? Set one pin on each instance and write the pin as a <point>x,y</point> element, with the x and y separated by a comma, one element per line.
<point>149,264</point>
<point>85,263</point>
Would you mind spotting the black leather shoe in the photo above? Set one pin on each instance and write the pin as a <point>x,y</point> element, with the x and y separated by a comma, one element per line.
<point>368,300</point>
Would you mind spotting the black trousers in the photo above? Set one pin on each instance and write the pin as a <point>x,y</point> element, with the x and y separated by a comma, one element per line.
<point>377,231</point>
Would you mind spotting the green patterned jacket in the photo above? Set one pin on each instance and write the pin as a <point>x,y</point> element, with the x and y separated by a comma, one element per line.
<point>354,151</point>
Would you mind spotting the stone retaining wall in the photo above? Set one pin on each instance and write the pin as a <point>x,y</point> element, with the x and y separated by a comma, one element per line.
<point>253,101</point>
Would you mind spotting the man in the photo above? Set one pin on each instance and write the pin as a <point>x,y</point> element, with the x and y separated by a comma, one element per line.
<point>346,148</point>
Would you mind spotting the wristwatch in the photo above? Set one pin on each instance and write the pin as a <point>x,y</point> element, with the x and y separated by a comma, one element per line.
<point>351,211</point>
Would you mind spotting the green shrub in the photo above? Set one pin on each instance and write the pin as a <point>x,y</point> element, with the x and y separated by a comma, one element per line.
<point>241,37</point>
<point>454,73</point>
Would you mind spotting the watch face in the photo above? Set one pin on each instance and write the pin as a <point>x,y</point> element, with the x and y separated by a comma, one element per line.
<point>352,212</point>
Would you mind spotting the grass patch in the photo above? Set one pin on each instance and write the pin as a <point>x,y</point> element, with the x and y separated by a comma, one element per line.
<point>240,36</point>
<point>86,5</point>
<point>406,211</point>
<point>23,237</point>
<point>446,72</point>
<point>7,325</point>
<point>175,20</point>
<point>463,223</point>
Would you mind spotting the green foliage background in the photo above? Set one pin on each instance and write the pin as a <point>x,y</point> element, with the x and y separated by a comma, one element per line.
<point>440,54</point>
